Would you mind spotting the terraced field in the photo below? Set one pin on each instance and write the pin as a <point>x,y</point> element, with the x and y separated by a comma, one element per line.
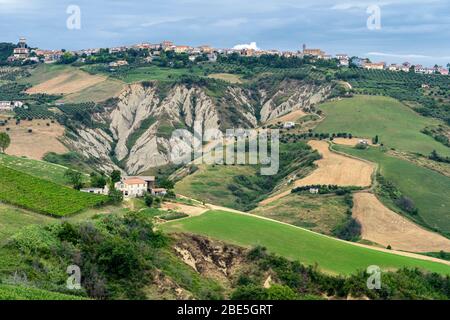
<point>331,255</point>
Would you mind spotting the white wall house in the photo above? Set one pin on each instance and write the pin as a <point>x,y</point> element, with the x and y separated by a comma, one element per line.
<point>132,187</point>
<point>289,125</point>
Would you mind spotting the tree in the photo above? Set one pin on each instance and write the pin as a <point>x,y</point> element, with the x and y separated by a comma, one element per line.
<point>115,196</point>
<point>98,180</point>
<point>167,184</point>
<point>74,178</point>
<point>148,199</point>
<point>5,141</point>
<point>115,176</point>
<point>375,140</point>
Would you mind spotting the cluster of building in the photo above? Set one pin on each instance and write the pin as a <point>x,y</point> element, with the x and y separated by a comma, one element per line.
<point>23,53</point>
<point>10,105</point>
<point>132,187</point>
<point>404,67</point>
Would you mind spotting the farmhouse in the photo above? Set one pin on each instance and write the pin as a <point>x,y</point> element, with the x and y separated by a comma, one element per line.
<point>289,125</point>
<point>314,190</point>
<point>10,105</point>
<point>132,187</point>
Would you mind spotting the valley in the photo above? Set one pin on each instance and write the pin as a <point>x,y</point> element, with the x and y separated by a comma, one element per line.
<point>356,185</point>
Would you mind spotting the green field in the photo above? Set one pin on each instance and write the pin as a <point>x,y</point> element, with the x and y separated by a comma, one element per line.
<point>309,248</point>
<point>13,219</point>
<point>42,196</point>
<point>319,213</point>
<point>210,184</point>
<point>428,189</point>
<point>8,292</point>
<point>45,72</point>
<point>242,186</point>
<point>39,169</point>
<point>153,73</point>
<point>96,93</point>
<point>366,116</point>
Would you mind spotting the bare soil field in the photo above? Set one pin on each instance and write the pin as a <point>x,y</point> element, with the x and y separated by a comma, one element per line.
<point>334,169</point>
<point>36,144</point>
<point>184,208</point>
<point>67,82</point>
<point>385,227</point>
<point>228,77</point>
<point>292,116</point>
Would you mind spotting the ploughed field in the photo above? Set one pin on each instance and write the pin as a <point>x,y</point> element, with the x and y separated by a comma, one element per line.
<point>428,189</point>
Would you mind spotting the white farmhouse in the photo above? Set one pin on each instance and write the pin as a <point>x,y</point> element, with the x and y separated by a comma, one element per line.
<point>289,125</point>
<point>132,187</point>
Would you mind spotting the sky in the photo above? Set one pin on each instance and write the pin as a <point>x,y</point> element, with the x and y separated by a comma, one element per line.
<point>417,31</point>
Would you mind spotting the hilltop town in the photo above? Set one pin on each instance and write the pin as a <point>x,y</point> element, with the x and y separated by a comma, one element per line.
<point>22,53</point>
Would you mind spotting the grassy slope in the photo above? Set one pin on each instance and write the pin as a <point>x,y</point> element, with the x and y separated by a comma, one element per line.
<point>241,186</point>
<point>429,189</point>
<point>397,126</point>
<point>8,292</point>
<point>43,196</point>
<point>45,72</point>
<point>99,92</point>
<point>294,243</point>
<point>320,213</point>
<point>154,73</point>
<point>210,183</point>
<point>40,169</point>
<point>13,219</point>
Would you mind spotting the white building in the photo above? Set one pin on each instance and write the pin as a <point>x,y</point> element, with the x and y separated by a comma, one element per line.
<point>289,125</point>
<point>95,190</point>
<point>10,105</point>
<point>158,192</point>
<point>132,187</point>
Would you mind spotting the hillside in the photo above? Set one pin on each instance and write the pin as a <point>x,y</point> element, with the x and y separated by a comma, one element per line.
<point>39,169</point>
<point>331,255</point>
<point>43,196</point>
<point>428,189</point>
<point>242,186</point>
<point>396,125</point>
<point>8,292</point>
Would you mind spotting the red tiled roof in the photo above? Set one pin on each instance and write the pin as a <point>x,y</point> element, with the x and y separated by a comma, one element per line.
<point>134,181</point>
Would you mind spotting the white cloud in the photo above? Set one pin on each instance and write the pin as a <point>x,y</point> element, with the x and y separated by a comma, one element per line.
<point>251,45</point>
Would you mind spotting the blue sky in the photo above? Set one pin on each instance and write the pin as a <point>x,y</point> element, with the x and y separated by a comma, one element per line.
<point>413,30</point>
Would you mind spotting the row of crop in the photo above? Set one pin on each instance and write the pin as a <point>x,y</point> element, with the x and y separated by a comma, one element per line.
<point>43,196</point>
